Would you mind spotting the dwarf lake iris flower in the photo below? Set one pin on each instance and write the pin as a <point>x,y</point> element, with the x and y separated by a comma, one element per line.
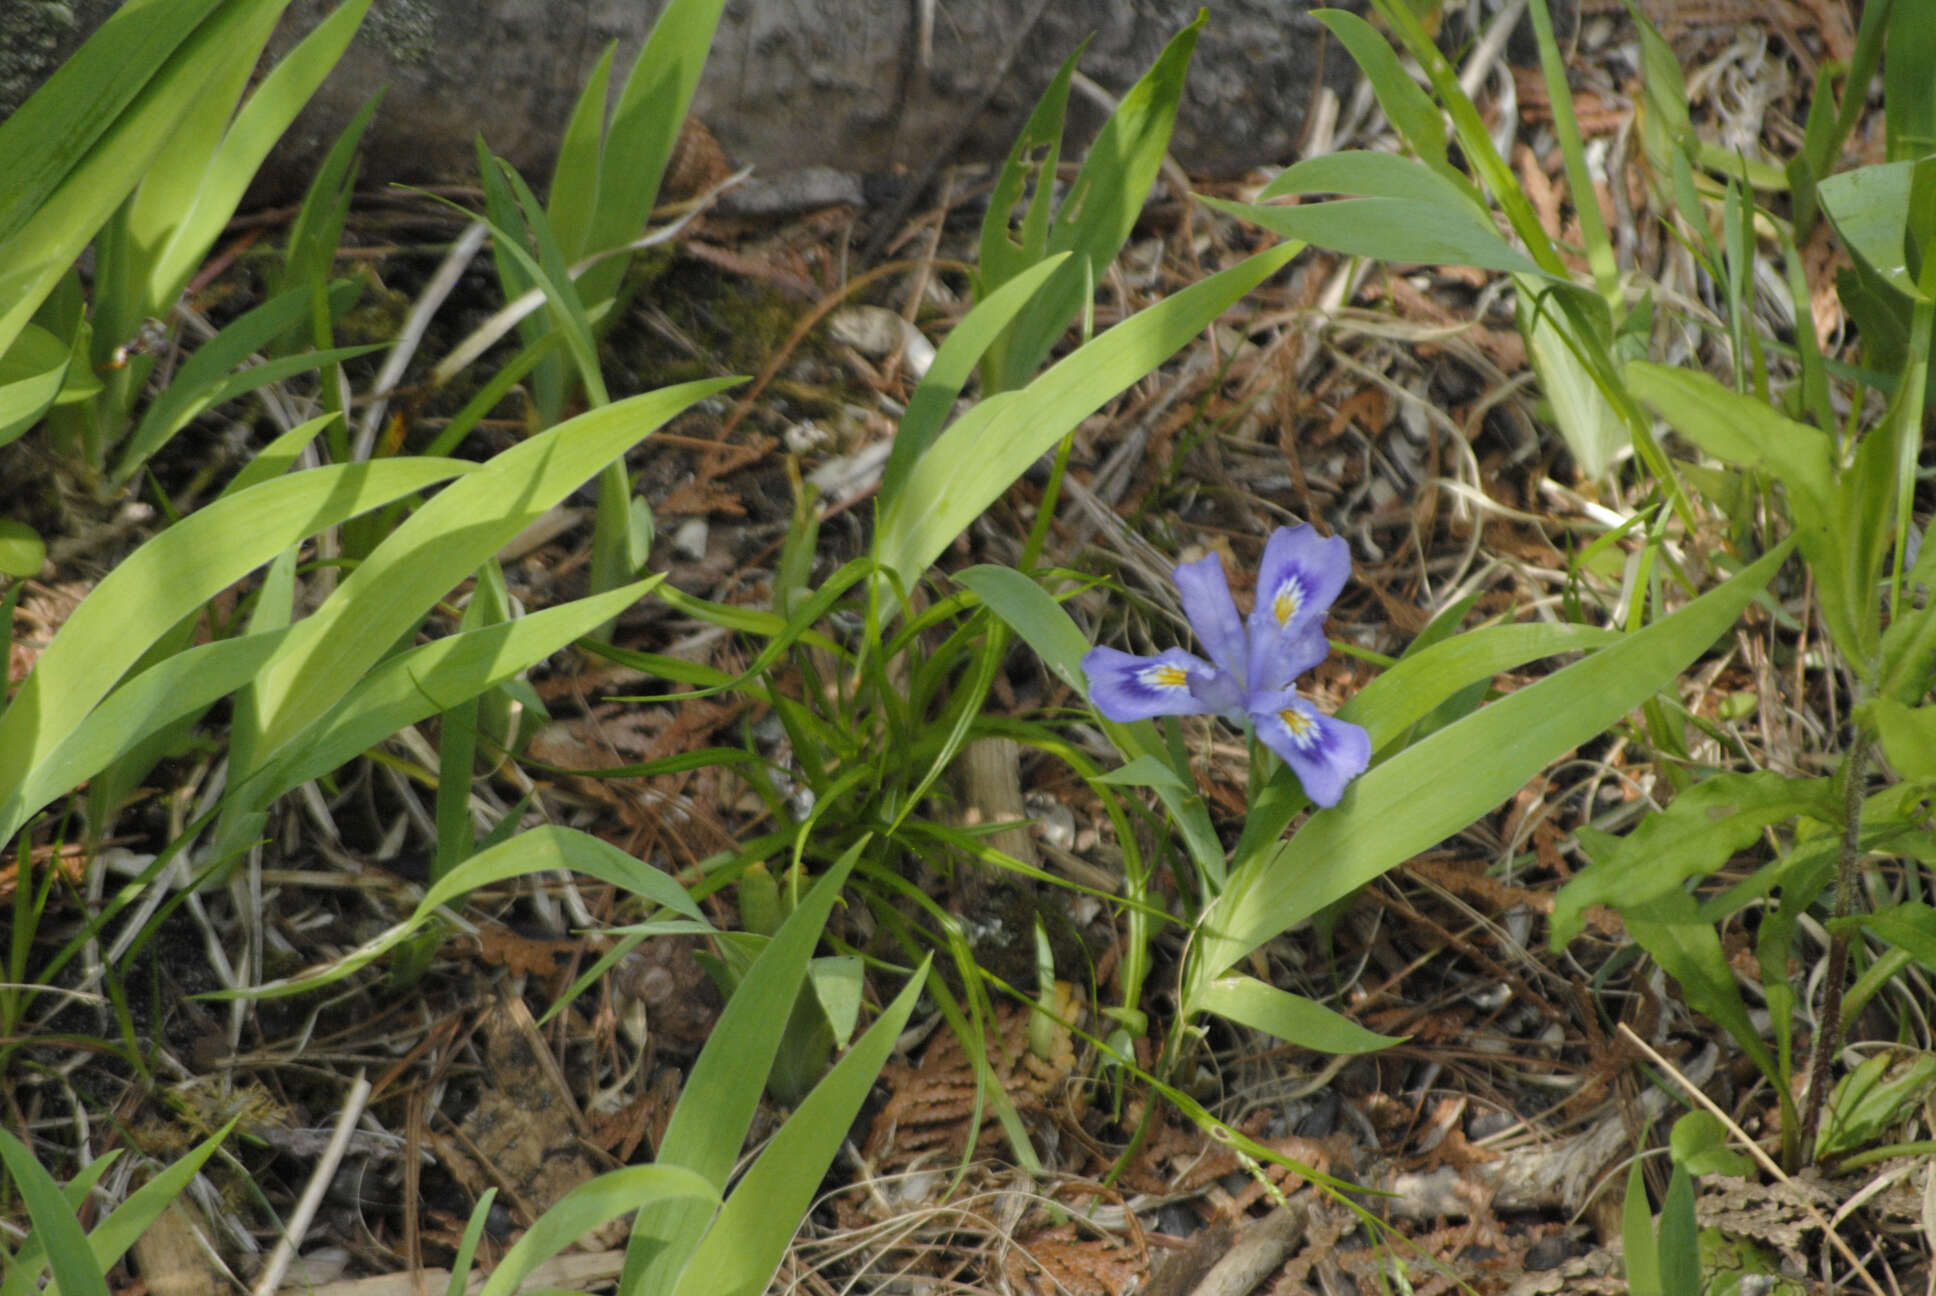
<point>1253,662</point>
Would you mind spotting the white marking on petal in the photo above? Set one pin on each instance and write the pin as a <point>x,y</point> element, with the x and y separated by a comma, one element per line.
<point>1165,676</point>
<point>1289,598</point>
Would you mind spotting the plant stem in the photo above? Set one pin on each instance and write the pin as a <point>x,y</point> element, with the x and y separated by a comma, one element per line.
<point>1828,1039</point>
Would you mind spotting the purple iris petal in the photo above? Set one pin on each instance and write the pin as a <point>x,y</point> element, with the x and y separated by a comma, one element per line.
<point>1213,614</point>
<point>1325,753</point>
<point>1125,687</point>
<point>1299,577</point>
<point>1296,649</point>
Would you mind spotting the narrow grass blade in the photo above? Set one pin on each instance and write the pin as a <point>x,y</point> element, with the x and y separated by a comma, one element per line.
<point>172,575</point>
<point>590,1205</point>
<point>1291,1018</point>
<point>1438,786</point>
<point>746,1243</point>
<point>54,1223</point>
<point>537,851</point>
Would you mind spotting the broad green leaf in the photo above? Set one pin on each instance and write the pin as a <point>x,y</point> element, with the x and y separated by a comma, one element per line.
<point>22,551</point>
<point>53,1221</point>
<point>746,1243</point>
<point>1291,1018</point>
<point>175,573</point>
<point>1391,229</point>
<point>984,451</point>
<point>1694,836</point>
<point>1371,175</point>
<point>1440,785</point>
<point>1410,691</point>
<point>438,546</point>
<point>1407,107</point>
<point>430,678</point>
<point>729,1076</point>
<point>1031,612</point>
<point>217,191</point>
<point>1688,949</point>
<point>1700,1142</point>
<point>52,230</point>
<point>1640,1249</point>
<point>1032,161</point>
<point>644,129</point>
<point>31,373</point>
<point>537,851</point>
<point>591,1205</point>
<point>1909,926</point>
<point>1908,736</point>
<point>954,363</point>
<point>1103,204</point>
<point>1869,1102</point>
<point>1593,429</point>
<point>171,690</point>
<point>1680,1246</point>
<point>1869,207</point>
<point>47,136</point>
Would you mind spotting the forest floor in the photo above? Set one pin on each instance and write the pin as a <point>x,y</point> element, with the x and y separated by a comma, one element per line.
<point>1389,405</point>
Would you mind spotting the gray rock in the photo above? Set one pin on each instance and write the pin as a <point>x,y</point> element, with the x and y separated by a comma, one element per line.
<point>843,84</point>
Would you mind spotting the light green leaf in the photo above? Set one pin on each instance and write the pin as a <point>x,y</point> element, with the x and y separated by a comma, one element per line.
<point>746,1243</point>
<point>977,458</point>
<point>1291,1018</point>
<point>1440,785</point>
<point>173,689</point>
<point>53,1220</point>
<point>31,373</point>
<point>1869,207</point>
<point>172,575</point>
<point>215,193</point>
<point>954,363</point>
<point>730,1075</point>
<point>1103,204</point>
<point>82,175</point>
<point>537,851</point>
<point>438,546</point>
<point>430,678</point>
<point>1032,612</point>
<point>22,551</point>
<point>1406,106</point>
<point>591,1205</point>
<point>1391,229</point>
<point>46,137</point>
<point>1694,836</point>
<point>1908,736</point>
